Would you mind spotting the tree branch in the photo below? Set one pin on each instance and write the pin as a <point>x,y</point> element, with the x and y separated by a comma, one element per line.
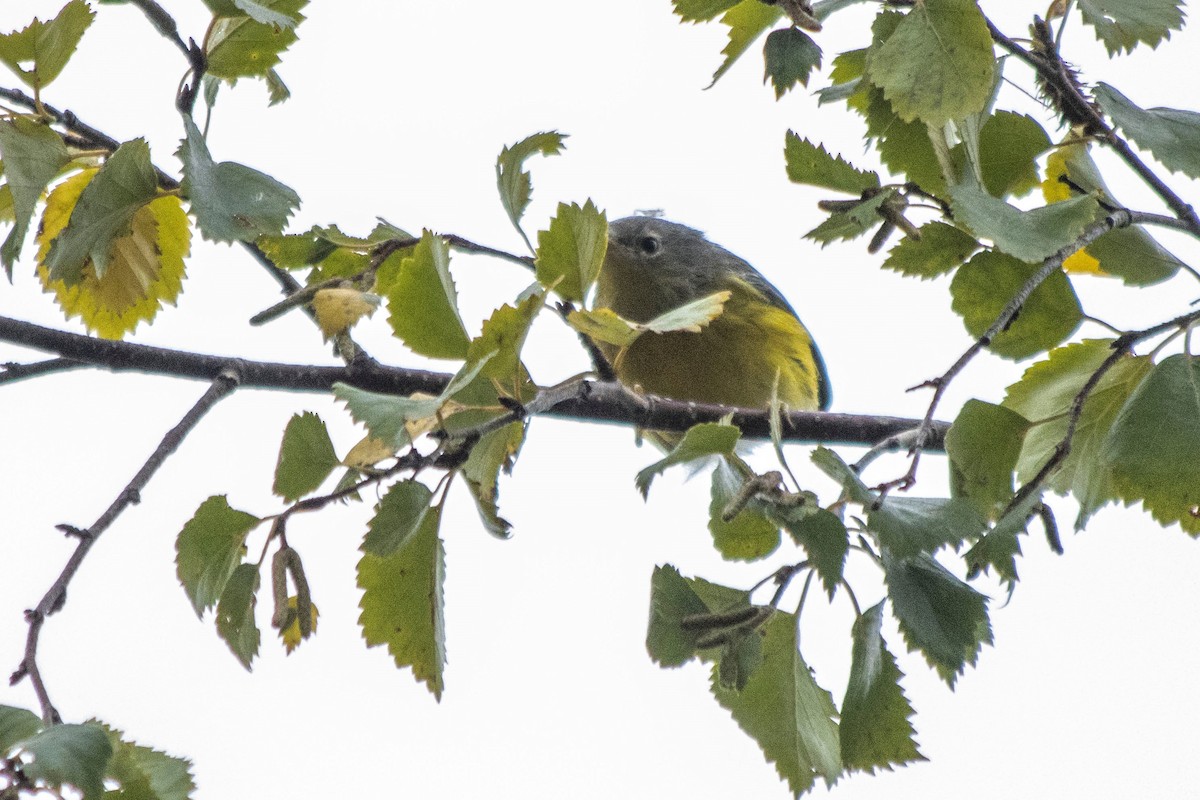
<point>1118,219</point>
<point>1121,347</point>
<point>595,401</point>
<point>13,372</point>
<point>1049,67</point>
<point>223,384</point>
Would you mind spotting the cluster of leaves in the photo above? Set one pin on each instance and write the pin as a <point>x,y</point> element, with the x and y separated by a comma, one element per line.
<point>92,757</point>
<point>113,234</point>
<point>1085,418</point>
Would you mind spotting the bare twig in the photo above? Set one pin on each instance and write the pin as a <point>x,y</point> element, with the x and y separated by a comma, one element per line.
<point>13,372</point>
<point>52,601</point>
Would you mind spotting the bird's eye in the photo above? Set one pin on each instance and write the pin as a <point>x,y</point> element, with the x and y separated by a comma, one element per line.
<point>650,245</point>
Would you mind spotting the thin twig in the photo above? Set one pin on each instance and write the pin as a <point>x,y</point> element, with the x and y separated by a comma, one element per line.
<point>13,372</point>
<point>1120,348</point>
<point>52,601</point>
<point>1118,219</point>
<point>1050,73</point>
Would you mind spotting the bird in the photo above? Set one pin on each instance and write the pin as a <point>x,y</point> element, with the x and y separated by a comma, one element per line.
<point>757,349</point>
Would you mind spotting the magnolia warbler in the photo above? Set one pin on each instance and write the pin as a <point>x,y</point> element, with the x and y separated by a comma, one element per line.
<point>755,350</point>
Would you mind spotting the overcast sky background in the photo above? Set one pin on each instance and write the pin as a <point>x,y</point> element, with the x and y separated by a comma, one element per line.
<point>399,110</point>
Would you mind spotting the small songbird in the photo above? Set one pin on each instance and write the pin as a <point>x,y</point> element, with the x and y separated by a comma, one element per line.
<point>756,349</point>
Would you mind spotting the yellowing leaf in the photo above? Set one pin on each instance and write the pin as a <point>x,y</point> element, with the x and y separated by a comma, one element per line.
<point>367,453</point>
<point>145,268</point>
<point>339,309</point>
<point>291,633</point>
<point>605,325</point>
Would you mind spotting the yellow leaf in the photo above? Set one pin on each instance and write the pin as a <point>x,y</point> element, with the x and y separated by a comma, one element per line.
<point>291,633</point>
<point>145,269</point>
<point>367,453</point>
<point>338,309</point>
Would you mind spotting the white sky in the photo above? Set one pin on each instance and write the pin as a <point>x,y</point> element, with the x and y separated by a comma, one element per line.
<point>399,110</point>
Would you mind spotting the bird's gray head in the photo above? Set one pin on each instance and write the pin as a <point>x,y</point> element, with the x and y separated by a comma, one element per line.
<point>654,265</point>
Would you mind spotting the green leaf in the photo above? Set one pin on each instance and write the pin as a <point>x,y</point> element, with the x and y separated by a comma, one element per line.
<point>398,516</point>
<point>1130,253</point>
<point>938,65</point>
<point>941,249</point>
<point>846,225</point>
<point>231,202</point>
<point>514,183</point>
<point>705,439</point>
<point>423,302</point>
<point>749,535</point>
<point>257,11</point>
<point>105,211</point>
<point>242,46</point>
<point>504,334</point>
<point>910,525</point>
<point>402,603</point>
<point>741,655</point>
<point>48,45</point>
<point>1170,134</point>
<point>746,21</point>
<point>495,451</point>
<point>16,725</point>
<point>306,457</point>
<point>144,773</point>
<point>1122,24</point>
<point>783,709</point>
<point>691,317</point>
<point>296,250</point>
<point>983,445</point>
<point>571,251</point>
<point>875,729</point>
<point>939,615</point>
<point>69,754</point>
<point>1009,145</point>
<point>824,538</point>
<point>605,325</point>
<point>1029,235</point>
<point>998,548</point>
<point>790,56</point>
<point>1046,394</point>
<point>210,545</point>
<point>1150,453</point>
<point>988,282</point>
<point>671,599</point>
<point>810,164</point>
<point>235,613</point>
<point>701,10</point>
<point>32,155</point>
<point>904,147</point>
<point>385,415</point>
<point>832,465</point>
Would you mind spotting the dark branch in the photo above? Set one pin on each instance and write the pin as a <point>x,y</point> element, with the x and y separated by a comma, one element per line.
<point>596,401</point>
<point>1050,68</point>
<point>12,372</point>
<point>222,385</point>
